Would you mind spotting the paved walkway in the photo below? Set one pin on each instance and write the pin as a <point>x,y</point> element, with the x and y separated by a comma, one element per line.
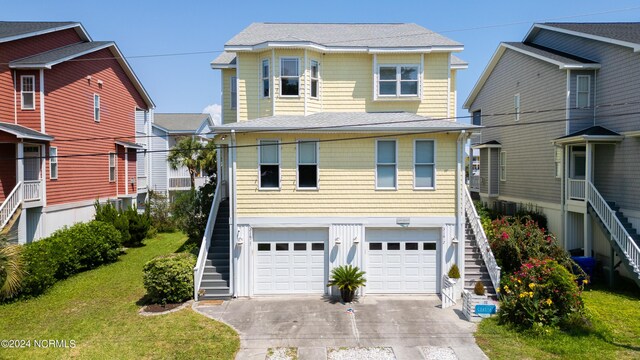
<point>314,324</point>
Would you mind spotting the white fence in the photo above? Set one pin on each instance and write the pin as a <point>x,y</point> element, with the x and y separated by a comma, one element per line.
<point>576,189</point>
<point>448,292</point>
<point>32,190</point>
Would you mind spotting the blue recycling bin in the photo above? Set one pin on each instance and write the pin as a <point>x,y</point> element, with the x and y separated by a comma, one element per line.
<point>587,264</point>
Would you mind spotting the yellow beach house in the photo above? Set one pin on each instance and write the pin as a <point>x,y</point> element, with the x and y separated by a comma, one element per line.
<point>339,145</point>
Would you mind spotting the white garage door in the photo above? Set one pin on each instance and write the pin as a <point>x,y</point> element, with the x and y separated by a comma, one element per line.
<point>402,261</point>
<point>290,261</point>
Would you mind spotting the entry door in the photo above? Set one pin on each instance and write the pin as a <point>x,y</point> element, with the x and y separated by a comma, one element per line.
<point>578,165</point>
<point>290,261</point>
<point>31,162</point>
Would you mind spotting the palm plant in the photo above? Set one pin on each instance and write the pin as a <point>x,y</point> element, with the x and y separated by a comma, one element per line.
<point>11,269</point>
<point>190,153</point>
<point>348,279</point>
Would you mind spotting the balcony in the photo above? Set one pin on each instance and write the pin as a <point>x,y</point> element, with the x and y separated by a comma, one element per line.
<point>576,189</point>
<point>179,179</point>
<point>32,190</point>
<point>474,183</point>
<point>142,184</point>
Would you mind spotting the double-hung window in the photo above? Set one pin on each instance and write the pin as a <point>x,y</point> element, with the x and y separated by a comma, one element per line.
<point>53,163</point>
<point>307,164</point>
<point>386,164</point>
<point>269,164</point>
<point>516,106</point>
<point>583,93</point>
<point>477,118</point>
<point>233,93</point>
<point>266,81</point>
<point>289,77</point>
<point>315,77</point>
<point>503,166</point>
<point>398,80</point>
<point>28,92</point>
<point>96,107</point>
<point>424,164</point>
<point>112,167</point>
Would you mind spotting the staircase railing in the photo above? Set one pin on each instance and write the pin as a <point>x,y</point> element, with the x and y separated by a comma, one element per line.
<point>448,292</point>
<point>10,204</point>
<point>482,241</point>
<point>198,270</point>
<point>614,226</point>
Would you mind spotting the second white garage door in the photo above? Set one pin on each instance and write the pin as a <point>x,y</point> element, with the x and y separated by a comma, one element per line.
<point>289,261</point>
<point>402,261</point>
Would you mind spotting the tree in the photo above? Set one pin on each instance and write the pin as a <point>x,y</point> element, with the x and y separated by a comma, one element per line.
<point>11,269</point>
<point>192,154</point>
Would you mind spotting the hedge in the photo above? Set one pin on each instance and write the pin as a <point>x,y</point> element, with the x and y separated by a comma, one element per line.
<point>169,278</point>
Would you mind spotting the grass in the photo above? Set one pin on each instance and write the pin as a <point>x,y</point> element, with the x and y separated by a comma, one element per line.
<point>615,335</point>
<point>98,309</point>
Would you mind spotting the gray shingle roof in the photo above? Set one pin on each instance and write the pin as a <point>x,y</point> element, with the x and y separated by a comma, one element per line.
<point>342,35</point>
<point>225,59</point>
<point>457,61</point>
<point>553,55</point>
<point>10,29</point>
<point>180,122</point>
<point>344,122</point>
<point>623,31</point>
<point>22,132</point>
<point>592,131</point>
<point>46,59</point>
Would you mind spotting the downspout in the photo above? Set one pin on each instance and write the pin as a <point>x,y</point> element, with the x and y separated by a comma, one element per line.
<point>42,128</point>
<point>233,213</point>
<point>460,236</point>
<point>15,99</point>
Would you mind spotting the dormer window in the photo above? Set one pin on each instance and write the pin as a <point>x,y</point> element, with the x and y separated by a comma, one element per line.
<point>289,77</point>
<point>398,80</point>
<point>583,93</point>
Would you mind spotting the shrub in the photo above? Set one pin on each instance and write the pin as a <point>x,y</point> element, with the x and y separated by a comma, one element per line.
<point>11,268</point>
<point>169,278</point>
<point>516,240</point>
<point>159,212</point>
<point>109,214</point>
<point>454,272</point>
<point>541,293</point>
<point>479,289</point>
<point>139,224</point>
<point>191,209</point>
<point>83,246</point>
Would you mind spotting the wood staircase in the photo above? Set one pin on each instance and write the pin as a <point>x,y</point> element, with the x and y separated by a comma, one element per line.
<point>475,268</point>
<point>215,279</point>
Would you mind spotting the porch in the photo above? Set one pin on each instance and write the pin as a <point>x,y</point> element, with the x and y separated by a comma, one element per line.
<point>179,179</point>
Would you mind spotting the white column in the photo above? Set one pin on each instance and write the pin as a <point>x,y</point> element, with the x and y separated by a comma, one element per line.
<point>588,175</point>
<point>22,221</point>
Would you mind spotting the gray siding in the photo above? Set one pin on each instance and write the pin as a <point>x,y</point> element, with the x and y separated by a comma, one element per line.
<point>159,161</point>
<point>617,90</point>
<point>484,171</point>
<point>142,118</point>
<point>530,153</point>
<point>495,171</point>
<point>580,118</point>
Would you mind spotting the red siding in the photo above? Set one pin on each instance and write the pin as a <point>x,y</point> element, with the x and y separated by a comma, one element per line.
<point>7,169</point>
<point>28,118</point>
<point>18,49</point>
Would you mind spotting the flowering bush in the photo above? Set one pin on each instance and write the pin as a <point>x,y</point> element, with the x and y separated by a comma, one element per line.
<point>541,293</point>
<point>516,240</point>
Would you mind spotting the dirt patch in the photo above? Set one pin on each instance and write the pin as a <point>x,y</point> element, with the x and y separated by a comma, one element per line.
<point>157,308</point>
<point>210,302</point>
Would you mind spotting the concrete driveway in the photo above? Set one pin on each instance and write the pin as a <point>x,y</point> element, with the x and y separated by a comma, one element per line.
<point>313,324</point>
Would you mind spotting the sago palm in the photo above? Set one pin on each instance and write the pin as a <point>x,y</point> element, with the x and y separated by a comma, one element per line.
<point>11,269</point>
<point>347,277</point>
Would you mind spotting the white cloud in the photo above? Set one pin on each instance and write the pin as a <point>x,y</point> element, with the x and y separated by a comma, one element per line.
<point>215,110</point>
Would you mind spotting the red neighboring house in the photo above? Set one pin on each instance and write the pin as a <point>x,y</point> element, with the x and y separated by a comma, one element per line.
<point>58,89</point>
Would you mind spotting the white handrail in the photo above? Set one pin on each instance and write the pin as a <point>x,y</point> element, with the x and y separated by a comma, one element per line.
<point>198,270</point>
<point>482,241</point>
<point>576,189</point>
<point>10,204</point>
<point>448,292</point>
<point>613,224</point>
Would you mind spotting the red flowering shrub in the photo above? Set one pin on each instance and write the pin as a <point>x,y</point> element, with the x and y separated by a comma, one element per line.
<point>541,293</point>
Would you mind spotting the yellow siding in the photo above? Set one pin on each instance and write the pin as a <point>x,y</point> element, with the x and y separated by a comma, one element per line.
<point>314,105</point>
<point>347,180</point>
<point>453,98</point>
<point>229,114</point>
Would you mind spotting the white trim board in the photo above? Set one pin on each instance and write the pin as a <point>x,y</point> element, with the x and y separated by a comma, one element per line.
<point>371,221</point>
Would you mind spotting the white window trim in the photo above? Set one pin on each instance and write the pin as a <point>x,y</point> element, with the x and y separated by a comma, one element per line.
<point>502,166</point>
<point>99,107</point>
<point>22,91</point>
<point>279,166</point>
<point>53,159</point>
<point>317,164</point>
<point>311,79</point>
<point>557,161</point>
<point>588,77</point>
<point>517,106</point>
<point>398,82</point>
<point>396,165</point>
<point>268,78</point>
<point>113,155</point>
<point>435,144</point>
<point>297,59</point>
<point>233,80</point>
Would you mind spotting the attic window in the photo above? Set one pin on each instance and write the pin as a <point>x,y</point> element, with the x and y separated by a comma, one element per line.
<point>289,77</point>
<point>398,80</point>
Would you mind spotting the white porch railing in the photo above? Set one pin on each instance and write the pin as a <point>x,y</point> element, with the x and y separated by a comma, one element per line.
<point>198,270</point>
<point>142,182</point>
<point>10,204</point>
<point>576,189</point>
<point>474,182</point>
<point>32,190</point>
<point>482,241</point>
<point>448,292</point>
<point>618,232</point>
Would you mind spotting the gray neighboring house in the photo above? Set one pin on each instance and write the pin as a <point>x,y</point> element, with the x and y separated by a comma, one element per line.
<point>568,139</point>
<point>165,130</point>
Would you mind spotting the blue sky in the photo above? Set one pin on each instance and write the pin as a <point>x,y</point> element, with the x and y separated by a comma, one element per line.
<point>188,84</point>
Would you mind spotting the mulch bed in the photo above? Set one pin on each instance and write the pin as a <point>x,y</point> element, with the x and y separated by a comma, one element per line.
<point>158,308</point>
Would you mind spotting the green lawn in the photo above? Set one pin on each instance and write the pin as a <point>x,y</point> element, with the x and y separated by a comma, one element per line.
<point>616,333</point>
<point>98,310</point>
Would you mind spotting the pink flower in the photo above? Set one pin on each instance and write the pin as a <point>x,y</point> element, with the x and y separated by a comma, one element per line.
<point>504,236</point>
